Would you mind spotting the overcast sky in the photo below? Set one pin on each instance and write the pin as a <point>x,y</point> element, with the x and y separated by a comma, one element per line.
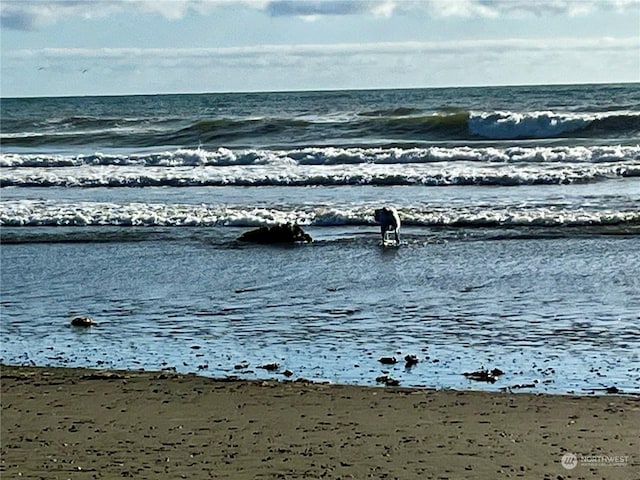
<point>98,47</point>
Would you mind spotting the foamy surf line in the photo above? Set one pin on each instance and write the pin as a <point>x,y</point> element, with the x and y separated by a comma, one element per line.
<point>220,157</point>
<point>441,174</point>
<point>34,213</point>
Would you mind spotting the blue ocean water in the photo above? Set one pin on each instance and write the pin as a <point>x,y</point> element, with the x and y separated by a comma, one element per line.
<point>520,240</point>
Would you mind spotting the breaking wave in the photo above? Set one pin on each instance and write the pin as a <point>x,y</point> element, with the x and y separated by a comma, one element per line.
<point>50,213</point>
<point>428,174</point>
<point>331,156</point>
<point>403,124</point>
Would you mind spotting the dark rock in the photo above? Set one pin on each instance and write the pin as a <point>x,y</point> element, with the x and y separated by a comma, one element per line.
<point>279,233</point>
<point>270,367</point>
<point>484,375</point>
<point>82,322</point>
<point>388,360</point>
<point>518,386</point>
<point>410,361</point>
<point>244,290</point>
<point>388,381</point>
<point>287,373</point>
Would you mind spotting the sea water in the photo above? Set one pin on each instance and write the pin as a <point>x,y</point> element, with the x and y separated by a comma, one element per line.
<point>520,239</point>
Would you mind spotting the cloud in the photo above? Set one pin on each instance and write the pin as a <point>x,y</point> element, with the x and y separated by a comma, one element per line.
<point>270,53</point>
<point>348,56</point>
<point>17,19</point>
<point>446,8</point>
<point>33,14</point>
<point>547,7</point>
<point>87,71</point>
<point>307,8</point>
<point>29,15</point>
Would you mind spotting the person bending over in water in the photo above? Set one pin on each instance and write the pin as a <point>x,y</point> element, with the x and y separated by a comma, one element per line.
<point>388,219</point>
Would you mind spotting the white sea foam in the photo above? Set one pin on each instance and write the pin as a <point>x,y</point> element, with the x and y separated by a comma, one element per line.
<point>287,173</point>
<point>543,124</point>
<point>508,125</point>
<point>331,156</point>
<point>49,213</point>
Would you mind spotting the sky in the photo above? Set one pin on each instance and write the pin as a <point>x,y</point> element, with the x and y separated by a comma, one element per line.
<point>111,47</point>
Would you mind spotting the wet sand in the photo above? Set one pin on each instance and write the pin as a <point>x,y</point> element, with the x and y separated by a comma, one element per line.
<point>84,424</point>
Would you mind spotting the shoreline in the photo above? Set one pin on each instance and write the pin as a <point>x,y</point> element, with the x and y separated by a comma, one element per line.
<point>84,423</point>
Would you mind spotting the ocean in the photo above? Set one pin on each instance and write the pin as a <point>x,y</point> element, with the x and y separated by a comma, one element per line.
<point>520,239</point>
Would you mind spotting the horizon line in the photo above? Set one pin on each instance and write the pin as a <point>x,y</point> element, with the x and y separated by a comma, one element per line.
<point>322,90</point>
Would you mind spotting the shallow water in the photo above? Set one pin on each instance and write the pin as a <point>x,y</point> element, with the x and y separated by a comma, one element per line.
<point>559,311</point>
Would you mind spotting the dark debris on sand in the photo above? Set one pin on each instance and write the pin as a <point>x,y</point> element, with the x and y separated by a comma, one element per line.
<point>484,375</point>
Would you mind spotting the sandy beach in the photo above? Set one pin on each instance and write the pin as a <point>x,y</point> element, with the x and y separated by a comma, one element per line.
<point>74,423</point>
